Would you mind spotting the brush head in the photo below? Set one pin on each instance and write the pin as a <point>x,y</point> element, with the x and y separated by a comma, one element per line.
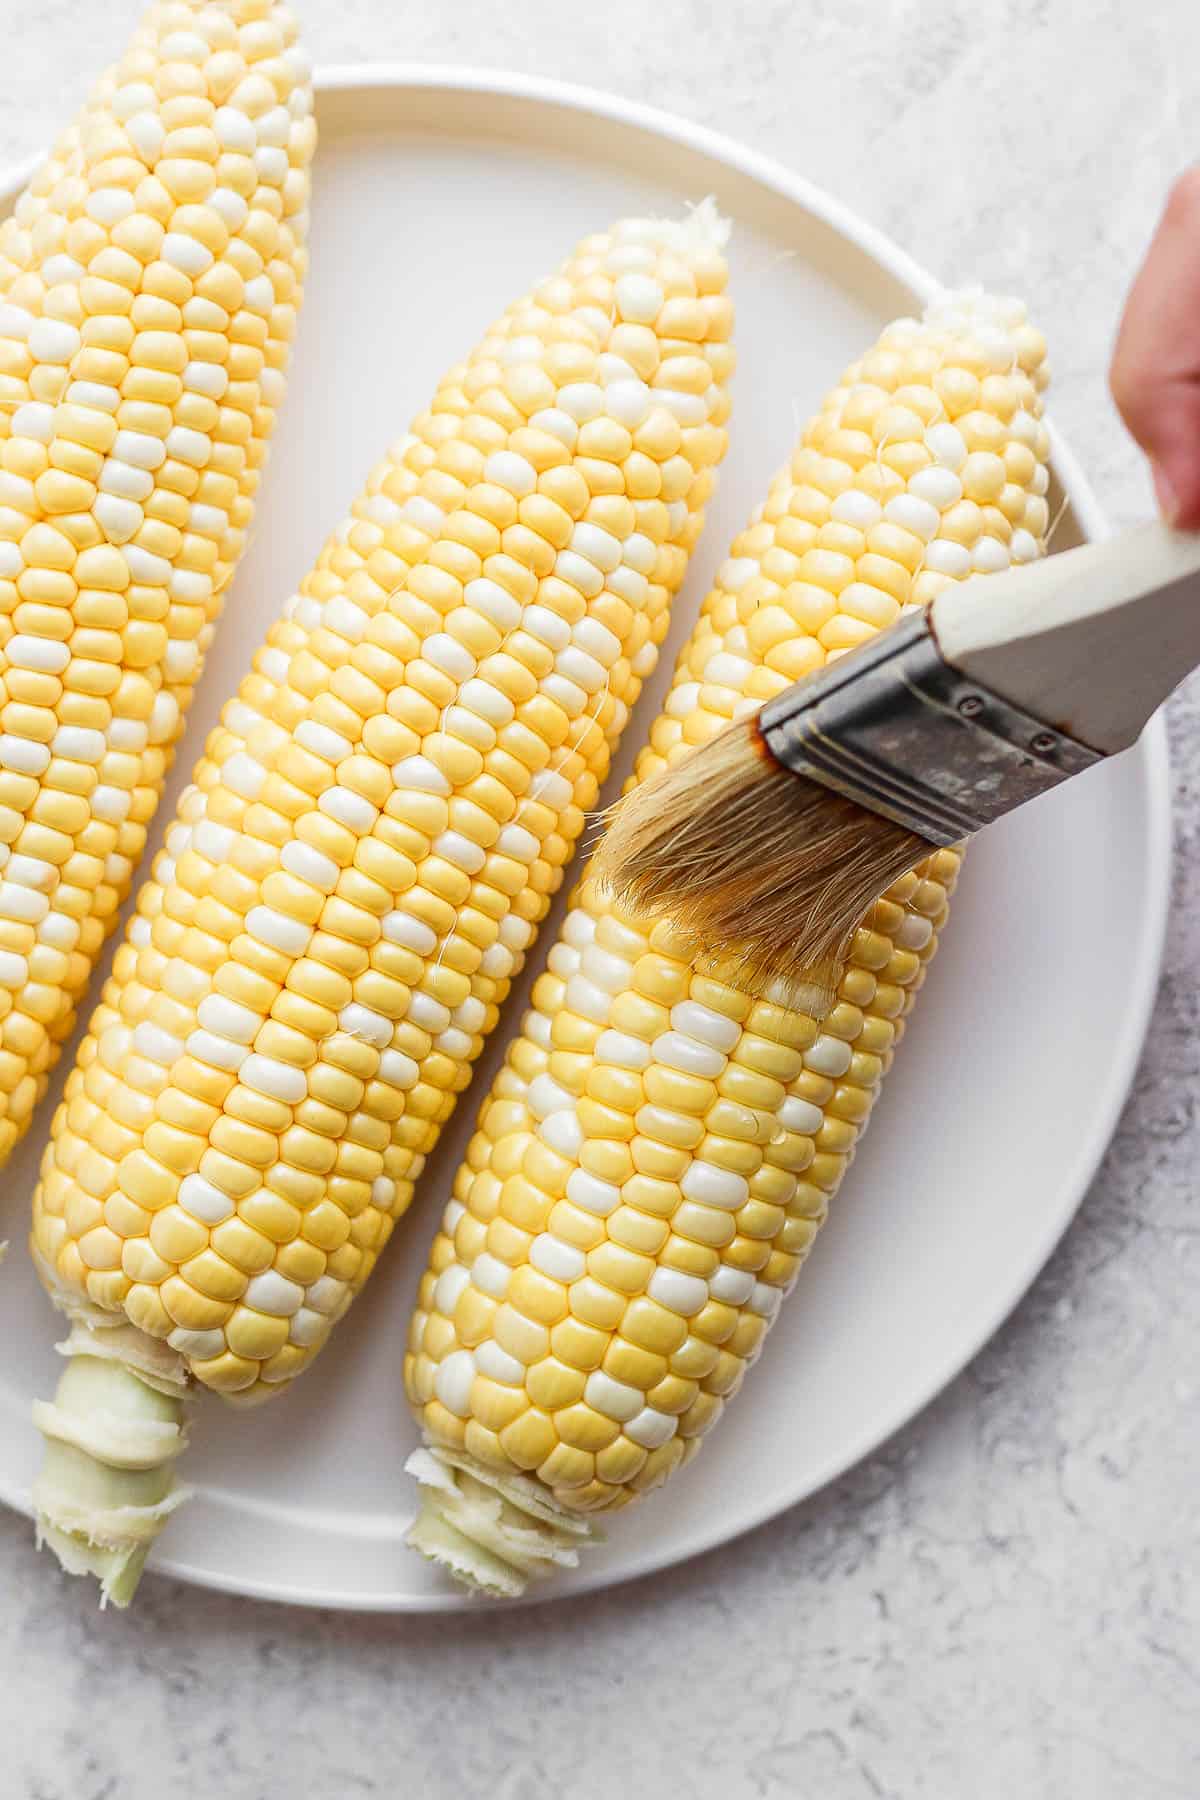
<point>764,866</point>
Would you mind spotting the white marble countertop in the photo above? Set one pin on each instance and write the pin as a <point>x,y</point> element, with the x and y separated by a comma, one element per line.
<point>1003,1602</point>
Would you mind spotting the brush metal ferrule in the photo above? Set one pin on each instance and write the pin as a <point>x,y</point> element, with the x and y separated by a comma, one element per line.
<point>892,726</point>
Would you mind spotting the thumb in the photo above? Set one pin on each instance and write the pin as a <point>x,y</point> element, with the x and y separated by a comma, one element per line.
<point>1155,373</point>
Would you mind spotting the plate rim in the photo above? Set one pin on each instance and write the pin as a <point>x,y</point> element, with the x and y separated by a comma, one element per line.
<point>1154,774</point>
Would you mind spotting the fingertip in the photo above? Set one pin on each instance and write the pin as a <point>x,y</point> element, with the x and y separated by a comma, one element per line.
<point>1125,385</point>
<point>1165,493</point>
<point>1177,490</point>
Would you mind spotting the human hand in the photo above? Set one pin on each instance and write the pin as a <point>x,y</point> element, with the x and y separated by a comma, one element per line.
<point>1155,373</point>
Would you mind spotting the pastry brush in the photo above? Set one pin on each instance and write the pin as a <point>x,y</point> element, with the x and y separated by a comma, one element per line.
<point>772,840</point>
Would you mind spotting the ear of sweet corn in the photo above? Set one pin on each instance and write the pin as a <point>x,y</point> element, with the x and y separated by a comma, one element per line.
<point>376,829</point>
<point>656,1157</point>
<point>149,282</point>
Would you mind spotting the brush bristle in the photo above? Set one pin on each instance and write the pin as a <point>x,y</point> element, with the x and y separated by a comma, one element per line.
<point>764,866</point>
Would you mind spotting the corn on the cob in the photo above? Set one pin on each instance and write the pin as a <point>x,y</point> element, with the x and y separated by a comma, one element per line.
<point>374,832</point>
<point>149,281</point>
<point>655,1159</point>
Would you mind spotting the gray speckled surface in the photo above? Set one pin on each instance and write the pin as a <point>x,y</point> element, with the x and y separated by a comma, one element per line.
<point>1004,1601</point>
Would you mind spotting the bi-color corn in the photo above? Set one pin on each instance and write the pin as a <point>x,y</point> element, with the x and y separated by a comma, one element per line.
<point>657,1155</point>
<point>371,838</point>
<point>150,277</point>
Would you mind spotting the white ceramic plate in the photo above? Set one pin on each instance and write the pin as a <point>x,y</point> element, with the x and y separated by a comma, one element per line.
<point>440,196</point>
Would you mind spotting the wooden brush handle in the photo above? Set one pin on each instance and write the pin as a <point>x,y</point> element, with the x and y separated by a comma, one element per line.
<point>1090,641</point>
